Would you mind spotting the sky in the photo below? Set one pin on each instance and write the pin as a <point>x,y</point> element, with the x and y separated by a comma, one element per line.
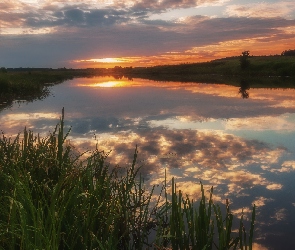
<point>108,33</point>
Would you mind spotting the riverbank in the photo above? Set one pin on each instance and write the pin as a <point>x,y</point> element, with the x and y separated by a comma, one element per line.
<point>30,84</point>
<point>225,70</point>
<point>261,71</point>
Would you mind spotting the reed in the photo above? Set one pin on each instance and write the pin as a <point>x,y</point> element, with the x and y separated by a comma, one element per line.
<point>194,226</point>
<point>53,199</point>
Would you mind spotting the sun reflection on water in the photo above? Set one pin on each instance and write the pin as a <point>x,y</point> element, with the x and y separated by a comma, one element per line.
<point>108,84</point>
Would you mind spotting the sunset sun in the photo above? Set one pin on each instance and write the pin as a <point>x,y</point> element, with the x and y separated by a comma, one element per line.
<point>106,60</point>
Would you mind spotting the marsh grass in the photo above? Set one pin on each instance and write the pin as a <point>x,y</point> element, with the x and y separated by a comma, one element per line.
<point>53,199</point>
<point>27,85</point>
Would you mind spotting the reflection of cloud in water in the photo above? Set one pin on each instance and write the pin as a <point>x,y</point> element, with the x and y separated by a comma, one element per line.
<point>261,123</point>
<point>215,158</point>
<point>15,123</point>
<point>280,214</point>
<point>261,201</point>
<point>257,246</point>
<point>267,128</point>
<point>274,186</point>
<point>213,150</point>
<point>286,166</point>
<point>218,159</point>
<point>279,97</point>
<point>31,116</point>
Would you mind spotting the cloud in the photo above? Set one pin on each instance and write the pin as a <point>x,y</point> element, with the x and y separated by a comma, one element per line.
<point>262,9</point>
<point>83,13</point>
<point>11,5</point>
<point>78,18</point>
<point>168,4</point>
<point>109,40</point>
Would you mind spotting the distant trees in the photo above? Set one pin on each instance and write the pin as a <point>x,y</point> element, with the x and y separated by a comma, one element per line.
<point>244,59</point>
<point>3,70</point>
<point>290,52</point>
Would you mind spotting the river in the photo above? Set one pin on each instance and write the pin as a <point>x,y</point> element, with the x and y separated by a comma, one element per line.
<point>241,142</point>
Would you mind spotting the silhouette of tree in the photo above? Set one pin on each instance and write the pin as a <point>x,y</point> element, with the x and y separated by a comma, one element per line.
<point>3,70</point>
<point>288,52</point>
<point>244,86</point>
<point>244,59</point>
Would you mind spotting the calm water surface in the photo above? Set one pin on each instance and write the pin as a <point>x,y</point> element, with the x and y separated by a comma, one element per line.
<point>245,148</point>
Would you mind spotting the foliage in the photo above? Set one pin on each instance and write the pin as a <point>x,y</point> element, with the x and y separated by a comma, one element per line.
<point>223,70</point>
<point>3,70</point>
<point>193,227</point>
<point>244,60</point>
<point>53,199</point>
<point>290,52</point>
<point>30,84</point>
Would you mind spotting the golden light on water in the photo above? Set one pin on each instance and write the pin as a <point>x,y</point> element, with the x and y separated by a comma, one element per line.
<point>106,84</point>
<point>109,84</point>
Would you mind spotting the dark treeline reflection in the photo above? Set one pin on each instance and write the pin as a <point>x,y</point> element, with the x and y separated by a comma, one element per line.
<point>244,87</point>
<point>7,100</point>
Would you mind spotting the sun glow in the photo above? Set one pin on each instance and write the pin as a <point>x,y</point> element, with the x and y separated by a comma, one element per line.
<point>109,60</point>
<point>105,60</point>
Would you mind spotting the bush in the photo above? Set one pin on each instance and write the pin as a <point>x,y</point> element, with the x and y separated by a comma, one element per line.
<point>289,52</point>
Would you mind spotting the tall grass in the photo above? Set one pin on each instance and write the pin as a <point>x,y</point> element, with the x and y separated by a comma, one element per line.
<point>54,199</point>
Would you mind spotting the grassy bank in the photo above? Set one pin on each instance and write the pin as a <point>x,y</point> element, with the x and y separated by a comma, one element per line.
<point>26,86</point>
<point>275,66</point>
<point>52,198</point>
<point>32,84</point>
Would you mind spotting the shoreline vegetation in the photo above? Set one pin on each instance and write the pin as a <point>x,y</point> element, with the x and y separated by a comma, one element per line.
<point>29,84</point>
<point>53,199</point>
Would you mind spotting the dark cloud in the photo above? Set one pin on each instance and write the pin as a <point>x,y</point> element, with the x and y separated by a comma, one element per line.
<point>78,18</point>
<point>74,15</point>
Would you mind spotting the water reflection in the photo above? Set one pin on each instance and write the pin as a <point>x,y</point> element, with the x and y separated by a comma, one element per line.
<point>243,90</point>
<point>244,148</point>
